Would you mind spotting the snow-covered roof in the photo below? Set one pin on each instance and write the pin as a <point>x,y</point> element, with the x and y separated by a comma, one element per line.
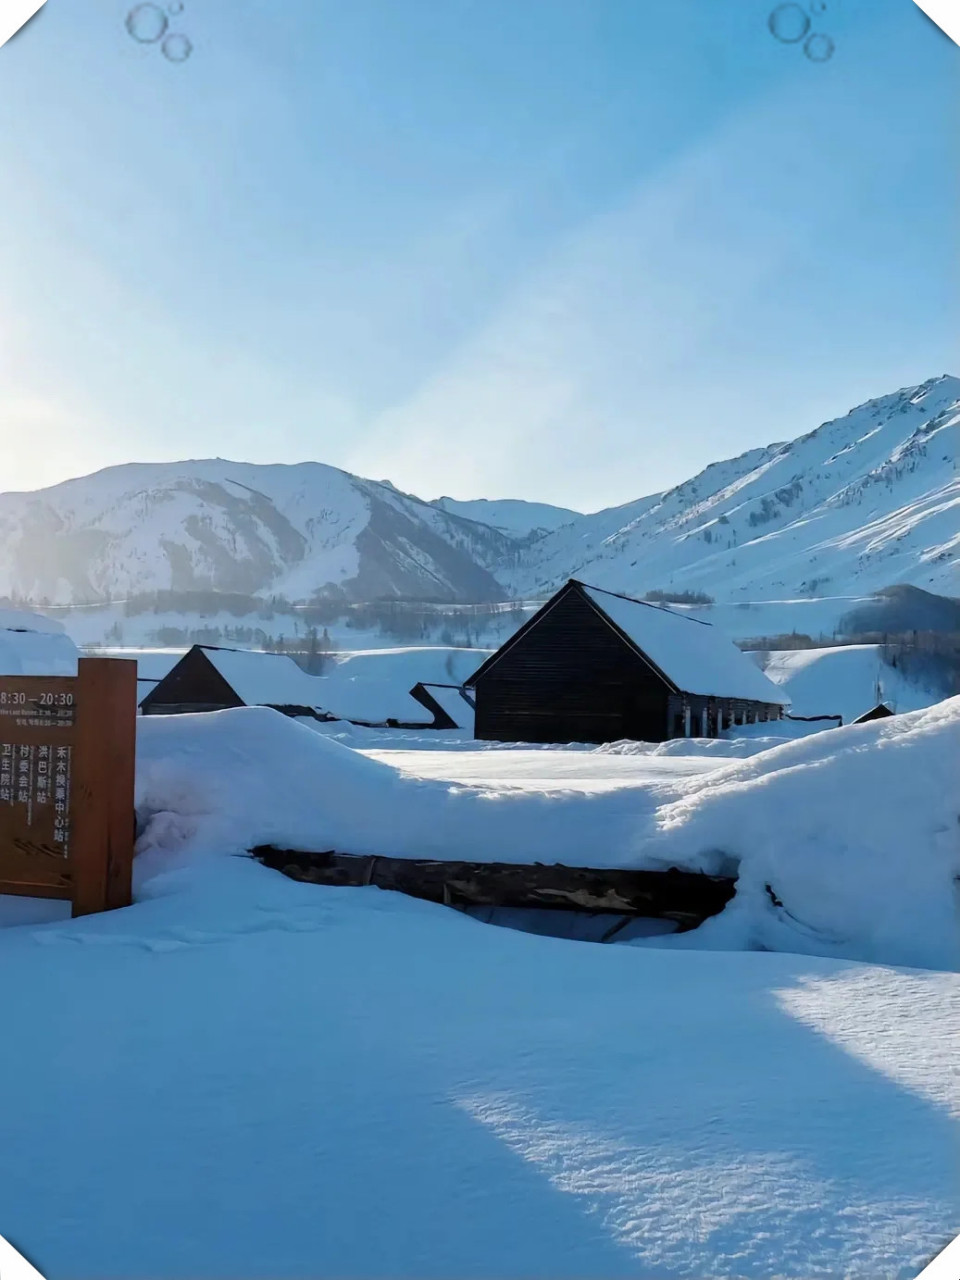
<point>37,653</point>
<point>449,697</point>
<point>27,620</point>
<point>265,679</point>
<point>374,685</point>
<point>694,655</point>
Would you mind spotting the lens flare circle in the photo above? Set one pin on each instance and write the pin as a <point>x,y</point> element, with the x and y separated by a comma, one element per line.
<point>818,48</point>
<point>146,23</point>
<point>789,23</point>
<point>176,47</point>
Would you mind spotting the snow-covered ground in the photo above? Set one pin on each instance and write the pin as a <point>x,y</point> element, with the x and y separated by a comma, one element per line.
<point>847,680</point>
<point>529,769</point>
<point>854,830</point>
<point>245,1075</point>
<point>241,1075</point>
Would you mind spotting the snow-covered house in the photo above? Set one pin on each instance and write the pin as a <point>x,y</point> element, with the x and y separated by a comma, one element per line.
<point>449,704</point>
<point>367,689</point>
<point>209,678</point>
<point>879,712</point>
<point>33,645</point>
<point>594,666</point>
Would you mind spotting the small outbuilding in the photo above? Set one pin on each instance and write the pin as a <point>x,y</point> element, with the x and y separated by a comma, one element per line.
<point>210,678</point>
<point>879,712</point>
<point>595,666</point>
<point>450,705</point>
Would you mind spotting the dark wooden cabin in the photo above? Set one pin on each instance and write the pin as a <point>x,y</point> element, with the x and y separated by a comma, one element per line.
<point>210,678</point>
<point>594,666</point>
<point>879,712</point>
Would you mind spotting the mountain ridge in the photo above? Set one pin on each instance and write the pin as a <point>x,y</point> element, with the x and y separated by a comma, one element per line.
<point>862,501</point>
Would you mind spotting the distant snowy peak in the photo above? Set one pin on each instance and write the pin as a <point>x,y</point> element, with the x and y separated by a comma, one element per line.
<point>866,500</point>
<point>236,527</point>
<point>512,516</point>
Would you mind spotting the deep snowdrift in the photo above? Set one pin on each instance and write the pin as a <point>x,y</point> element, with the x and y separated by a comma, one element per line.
<point>240,1075</point>
<point>855,830</point>
<point>243,1076</point>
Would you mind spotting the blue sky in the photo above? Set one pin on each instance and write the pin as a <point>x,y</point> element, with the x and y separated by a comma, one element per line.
<point>570,250</point>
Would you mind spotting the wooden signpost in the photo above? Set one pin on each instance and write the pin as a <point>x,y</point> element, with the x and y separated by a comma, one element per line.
<point>67,748</point>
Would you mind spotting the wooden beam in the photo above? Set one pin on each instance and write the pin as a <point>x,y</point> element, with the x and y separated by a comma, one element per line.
<point>686,897</point>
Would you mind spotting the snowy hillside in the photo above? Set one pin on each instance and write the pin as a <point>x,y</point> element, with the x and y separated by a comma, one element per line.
<point>225,526</point>
<point>866,500</point>
<point>847,681</point>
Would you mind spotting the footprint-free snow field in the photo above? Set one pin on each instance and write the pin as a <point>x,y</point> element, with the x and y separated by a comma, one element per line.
<point>242,1076</point>
<point>245,1076</point>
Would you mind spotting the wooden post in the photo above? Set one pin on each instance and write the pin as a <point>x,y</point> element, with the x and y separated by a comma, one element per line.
<point>102,804</point>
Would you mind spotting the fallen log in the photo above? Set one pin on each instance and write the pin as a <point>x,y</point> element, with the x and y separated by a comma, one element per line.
<point>686,897</point>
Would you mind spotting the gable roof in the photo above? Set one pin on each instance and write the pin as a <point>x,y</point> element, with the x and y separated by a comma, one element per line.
<point>265,679</point>
<point>879,712</point>
<point>693,656</point>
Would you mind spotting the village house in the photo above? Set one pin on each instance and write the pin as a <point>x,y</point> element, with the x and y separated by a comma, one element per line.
<point>594,666</point>
<point>212,678</point>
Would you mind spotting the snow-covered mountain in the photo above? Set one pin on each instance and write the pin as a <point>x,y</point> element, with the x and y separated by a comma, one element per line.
<point>227,526</point>
<point>513,516</point>
<point>864,501</point>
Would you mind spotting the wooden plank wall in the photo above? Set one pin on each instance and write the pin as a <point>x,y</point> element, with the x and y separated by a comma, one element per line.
<point>571,679</point>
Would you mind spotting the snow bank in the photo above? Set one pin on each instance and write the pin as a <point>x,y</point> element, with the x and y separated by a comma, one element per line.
<point>855,830</point>
<point>735,744</point>
<point>844,680</point>
<point>224,781</point>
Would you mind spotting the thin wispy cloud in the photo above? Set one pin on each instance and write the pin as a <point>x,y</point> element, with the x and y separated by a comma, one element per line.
<point>701,295</point>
